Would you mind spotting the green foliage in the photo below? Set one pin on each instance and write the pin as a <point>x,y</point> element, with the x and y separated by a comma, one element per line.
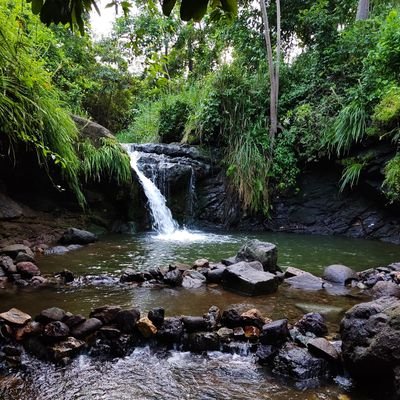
<point>388,109</point>
<point>351,174</point>
<point>106,161</point>
<point>391,183</point>
<point>172,120</point>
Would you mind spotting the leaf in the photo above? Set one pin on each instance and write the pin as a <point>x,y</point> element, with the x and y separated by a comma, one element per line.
<point>200,10</point>
<point>187,9</point>
<point>230,6</point>
<point>167,6</point>
<point>37,6</point>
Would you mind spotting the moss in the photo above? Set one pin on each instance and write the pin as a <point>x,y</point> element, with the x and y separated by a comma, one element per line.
<point>388,109</point>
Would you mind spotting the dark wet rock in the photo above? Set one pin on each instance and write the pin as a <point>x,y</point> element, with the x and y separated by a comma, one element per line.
<point>126,320</point>
<point>51,314</point>
<point>386,288</point>
<point>156,273</point>
<point>37,347</point>
<point>193,279</point>
<point>13,250</point>
<point>266,353</point>
<point>313,323</point>
<point>370,335</point>
<point>244,279</point>
<point>56,250</point>
<point>225,334</point>
<point>229,261</point>
<point>86,328</point>
<point>339,274</point>
<point>215,275</point>
<point>203,341</point>
<point>22,256</point>
<point>171,331</point>
<point>56,331</point>
<point>213,317</point>
<point>252,317</point>
<point>105,314</point>
<point>21,282</point>
<point>297,363</point>
<point>129,275</point>
<point>9,209</point>
<point>108,333</point>
<point>195,324</point>
<point>74,320</point>
<point>305,281</point>
<point>38,280</point>
<point>7,265</point>
<point>300,338</point>
<point>66,349</point>
<point>157,315</point>
<point>275,333</point>
<point>323,348</point>
<point>10,350</point>
<point>238,333</point>
<point>146,327</point>
<point>173,278</point>
<point>2,273</point>
<point>15,317</point>
<point>29,329</point>
<point>231,318</point>
<point>27,269</point>
<point>77,236</point>
<point>264,252</point>
<point>67,275</point>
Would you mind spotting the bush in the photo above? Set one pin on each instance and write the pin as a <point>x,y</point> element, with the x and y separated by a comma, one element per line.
<point>172,120</point>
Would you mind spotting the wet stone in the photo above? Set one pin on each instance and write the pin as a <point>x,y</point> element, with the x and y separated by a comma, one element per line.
<point>56,331</point>
<point>252,317</point>
<point>265,353</point>
<point>323,348</point>
<point>86,328</point>
<point>126,320</point>
<point>231,318</point>
<point>51,314</point>
<point>251,332</point>
<point>28,269</point>
<point>213,317</point>
<point>146,327</point>
<point>194,324</point>
<point>225,334</point>
<point>157,315</point>
<point>314,323</point>
<point>171,331</point>
<point>105,314</point>
<point>275,333</point>
<point>203,341</point>
<point>15,317</point>
<point>22,256</point>
<point>74,320</point>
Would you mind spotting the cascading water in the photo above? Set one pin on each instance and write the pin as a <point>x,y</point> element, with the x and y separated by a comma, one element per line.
<point>163,221</point>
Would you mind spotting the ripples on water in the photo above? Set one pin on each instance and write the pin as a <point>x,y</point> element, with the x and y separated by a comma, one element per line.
<point>146,375</point>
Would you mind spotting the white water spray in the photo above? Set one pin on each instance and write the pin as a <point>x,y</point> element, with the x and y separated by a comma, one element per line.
<point>161,214</point>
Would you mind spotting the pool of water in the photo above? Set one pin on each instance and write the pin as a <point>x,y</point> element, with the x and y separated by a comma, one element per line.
<point>144,375</point>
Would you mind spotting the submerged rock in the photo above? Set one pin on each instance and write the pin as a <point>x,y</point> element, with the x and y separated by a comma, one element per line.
<point>264,252</point>
<point>313,323</point>
<point>244,279</point>
<point>77,236</point>
<point>339,274</point>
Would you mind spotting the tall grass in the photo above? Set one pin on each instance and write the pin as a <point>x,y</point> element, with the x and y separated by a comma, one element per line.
<point>391,184</point>
<point>351,175</point>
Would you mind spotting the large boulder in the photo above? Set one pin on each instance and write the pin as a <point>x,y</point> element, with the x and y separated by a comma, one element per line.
<point>77,236</point>
<point>264,252</point>
<point>370,341</point>
<point>339,274</point>
<point>13,249</point>
<point>386,288</point>
<point>244,279</point>
<point>28,269</point>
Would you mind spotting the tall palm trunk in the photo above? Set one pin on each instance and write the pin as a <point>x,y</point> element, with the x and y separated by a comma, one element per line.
<point>362,10</point>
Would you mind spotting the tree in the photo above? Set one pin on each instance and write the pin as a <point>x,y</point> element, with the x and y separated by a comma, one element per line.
<point>273,65</point>
<point>362,10</point>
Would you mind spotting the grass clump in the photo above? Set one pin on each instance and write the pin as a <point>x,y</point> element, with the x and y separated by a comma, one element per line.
<point>391,184</point>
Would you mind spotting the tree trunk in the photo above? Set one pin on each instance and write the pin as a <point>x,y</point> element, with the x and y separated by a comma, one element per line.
<point>362,10</point>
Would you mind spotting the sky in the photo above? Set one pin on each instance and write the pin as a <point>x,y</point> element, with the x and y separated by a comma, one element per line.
<point>102,24</point>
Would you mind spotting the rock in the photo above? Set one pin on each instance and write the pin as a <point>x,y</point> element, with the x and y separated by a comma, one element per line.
<point>9,209</point>
<point>173,278</point>
<point>215,275</point>
<point>246,280</point>
<point>238,333</point>
<point>156,316</point>
<point>386,288</point>
<point>56,250</point>
<point>129,275</point>
<point>314,323</point>
<point>171,331</point>
<point>7,265</point>
<point>264,252</point>
<point>67,348</point>
<point>194,324</point>
<point>229,261</point>
<point>27,269</point>
<point>146,327</point>
<point>13,250</point>
<point>305,281</point>
<point>203,341</point>
<point>370,335</point>
<point>201,263</point>
<point>213,317</point>
<point>339,274</point>
<point>67,275</point>
<point>108,333</point>
<point>252,317</point>
<point>74,320</point>
<point>72,247</point>
<point>21,282</point>
<point>231,318</point>
<point>15,317</point>
<point>275,333</point>
<point>86,328</point>
<point>292,271</point>
<point>323,309</point>
<point>51,314</point>
<point>38,280</point>
<point>9,350</point>
<point>105,314</point>
<point>77,236</point>
<point>56,331</point>
<point>323,348</point>
<point>126,320</point>
<point>251,332</point>
<point>297,363</point>
<point>193,279</point>
<point>21,256</point>
<point>265,353</point>
<point>225,334</point>
<point>29,329</point>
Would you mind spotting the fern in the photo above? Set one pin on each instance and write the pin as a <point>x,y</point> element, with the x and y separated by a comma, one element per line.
<point>351,175</point>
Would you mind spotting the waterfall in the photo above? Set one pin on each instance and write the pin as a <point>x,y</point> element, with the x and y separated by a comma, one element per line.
<point>160,213</point>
